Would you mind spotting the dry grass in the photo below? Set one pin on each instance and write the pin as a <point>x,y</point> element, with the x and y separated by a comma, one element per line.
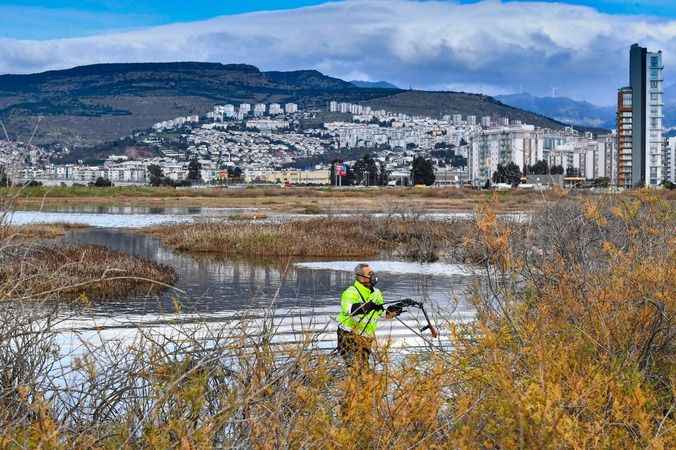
<point>252,216</point>
<point>37,231</point>
<point>297,199</point>
<point>78,272</point>
<point>323,237</point>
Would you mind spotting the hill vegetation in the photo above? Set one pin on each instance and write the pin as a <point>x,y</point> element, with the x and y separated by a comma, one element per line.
<point>93,104</point>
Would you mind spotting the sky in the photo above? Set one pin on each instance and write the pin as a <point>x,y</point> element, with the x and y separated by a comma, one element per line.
<point>577,48</point>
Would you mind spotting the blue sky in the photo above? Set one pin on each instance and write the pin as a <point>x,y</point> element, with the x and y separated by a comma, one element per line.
<point>48,19</point>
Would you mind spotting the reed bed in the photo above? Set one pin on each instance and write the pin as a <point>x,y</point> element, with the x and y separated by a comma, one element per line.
<point>410,237</point>
<point>79,273</point>
<point>37,231</point>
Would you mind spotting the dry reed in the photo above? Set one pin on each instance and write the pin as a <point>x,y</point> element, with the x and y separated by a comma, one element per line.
<point>77,272</point>
<point>37,231</point>
<point>409,237</point>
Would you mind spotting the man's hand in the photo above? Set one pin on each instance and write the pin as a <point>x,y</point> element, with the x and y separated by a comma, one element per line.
<point>393,311</point>
<point>365,308</point>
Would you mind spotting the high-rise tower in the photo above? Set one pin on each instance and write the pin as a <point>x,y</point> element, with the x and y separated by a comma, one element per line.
<point>624,137</point>
<point>646,81</point>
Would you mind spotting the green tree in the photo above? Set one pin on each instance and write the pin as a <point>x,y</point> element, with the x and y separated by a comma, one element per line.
<point>4,178</point>
<point>383,175</point>
<point>234,172</point>
<point>510,174</point>
<point>366,171</point>
<point>556,170</point>
<point>103,182</point>
<point>155,171</point>
<point>194,168</point>
<point>156,175</point>
<point>539,168</point>
<point>422,171</point>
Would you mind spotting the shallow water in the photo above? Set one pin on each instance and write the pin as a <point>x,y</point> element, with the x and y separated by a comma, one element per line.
<point>121,217</point>
<point>304,295</point>
<point>137,216</point>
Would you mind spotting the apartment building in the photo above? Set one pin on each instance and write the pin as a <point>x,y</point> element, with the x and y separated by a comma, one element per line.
<point>639,121</point>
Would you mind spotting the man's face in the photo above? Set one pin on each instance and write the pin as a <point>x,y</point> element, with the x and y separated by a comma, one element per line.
<point>365,276</point>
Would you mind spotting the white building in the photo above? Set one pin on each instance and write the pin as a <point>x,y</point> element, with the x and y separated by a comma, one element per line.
<point>267,124</point>
<point>275,109</point>
<point>522,145</point>
<point>244,109</point>
<point>670,160</point>
<point>259,109</point>
<point>291,108</point>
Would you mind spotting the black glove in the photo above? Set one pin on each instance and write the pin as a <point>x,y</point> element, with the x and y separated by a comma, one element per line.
<point>394,309</point>
<point>365,308</point>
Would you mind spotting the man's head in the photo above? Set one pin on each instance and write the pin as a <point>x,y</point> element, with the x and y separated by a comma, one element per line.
<point>365,275</point>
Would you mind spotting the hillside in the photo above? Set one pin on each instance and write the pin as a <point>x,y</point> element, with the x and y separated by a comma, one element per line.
<point>563,109</point>
<point>98,103</point>
<point>373,84</point>
<point>440,103</point>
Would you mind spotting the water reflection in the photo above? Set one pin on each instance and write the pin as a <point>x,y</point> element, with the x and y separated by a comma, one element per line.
<point>121,216</point>
<point>131,209</point>
<point>214,285</point>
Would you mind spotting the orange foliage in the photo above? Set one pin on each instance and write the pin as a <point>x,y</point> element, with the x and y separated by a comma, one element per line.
<point>572,347</point>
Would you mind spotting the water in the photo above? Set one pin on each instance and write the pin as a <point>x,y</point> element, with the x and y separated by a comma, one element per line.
<point>137,217</point>
<point>122,216</point>
<point>304,294</point>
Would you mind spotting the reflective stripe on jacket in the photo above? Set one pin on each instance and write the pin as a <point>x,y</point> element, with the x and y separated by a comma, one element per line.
<point>363,324</point>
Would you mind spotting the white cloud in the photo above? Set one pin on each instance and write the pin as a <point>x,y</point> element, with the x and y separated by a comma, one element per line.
<point>492,46</point>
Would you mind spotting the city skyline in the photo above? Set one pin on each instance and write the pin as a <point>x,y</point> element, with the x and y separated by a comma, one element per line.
<point>466,46</point>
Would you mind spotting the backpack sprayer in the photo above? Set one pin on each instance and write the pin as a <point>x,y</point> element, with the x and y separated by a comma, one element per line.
<point>401,305</point>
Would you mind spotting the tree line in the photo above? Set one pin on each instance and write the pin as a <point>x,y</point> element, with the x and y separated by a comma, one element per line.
<point>369,172</point>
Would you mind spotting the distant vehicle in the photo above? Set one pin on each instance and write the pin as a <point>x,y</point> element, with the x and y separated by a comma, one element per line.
<point>502,186</point>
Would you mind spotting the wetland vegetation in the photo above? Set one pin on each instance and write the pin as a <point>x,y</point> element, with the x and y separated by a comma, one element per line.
<point>354,237</point>
<point>77,273</point>
<point>572,346</point>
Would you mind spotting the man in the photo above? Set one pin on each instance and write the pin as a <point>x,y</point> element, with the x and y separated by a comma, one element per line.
<point>361,306</point>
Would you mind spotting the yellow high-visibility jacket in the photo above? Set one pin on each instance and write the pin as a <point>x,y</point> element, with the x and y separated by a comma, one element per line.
<point>362,324</point>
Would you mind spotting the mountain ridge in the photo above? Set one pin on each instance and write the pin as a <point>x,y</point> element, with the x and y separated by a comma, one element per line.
<point>87,105</point>
<point>564,109</point>
<point>580,112</point>
<point>374,84</point>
